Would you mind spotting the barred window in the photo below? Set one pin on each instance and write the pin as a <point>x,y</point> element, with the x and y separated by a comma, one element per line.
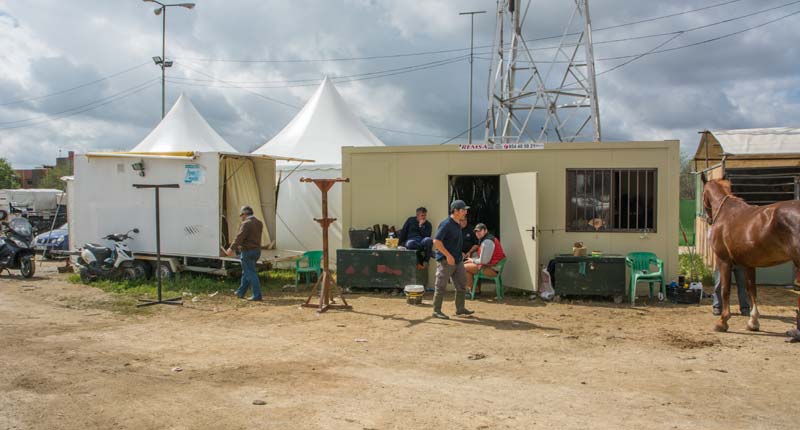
<point>611,200</point>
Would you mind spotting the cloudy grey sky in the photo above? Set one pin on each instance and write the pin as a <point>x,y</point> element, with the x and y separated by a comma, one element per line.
<point>77,74</point>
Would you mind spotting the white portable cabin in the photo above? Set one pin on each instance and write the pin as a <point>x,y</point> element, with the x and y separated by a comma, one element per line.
<point>200,217</point>
<point>318,131</point>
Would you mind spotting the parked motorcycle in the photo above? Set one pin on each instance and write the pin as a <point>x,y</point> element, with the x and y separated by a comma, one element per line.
<point>16,247</point>
<point>100,262</point>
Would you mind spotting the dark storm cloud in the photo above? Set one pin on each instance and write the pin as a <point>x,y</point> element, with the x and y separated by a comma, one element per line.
<point>743,81</point>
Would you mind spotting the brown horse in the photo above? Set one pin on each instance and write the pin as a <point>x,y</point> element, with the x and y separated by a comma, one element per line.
<point>749,237</point>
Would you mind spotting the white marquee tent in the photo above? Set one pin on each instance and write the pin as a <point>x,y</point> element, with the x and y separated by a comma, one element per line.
<point>317,132</point>
<point>183,129</point>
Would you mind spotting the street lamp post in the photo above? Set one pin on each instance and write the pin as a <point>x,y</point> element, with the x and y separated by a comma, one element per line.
<point>162,60</point>
<point>471,43</point>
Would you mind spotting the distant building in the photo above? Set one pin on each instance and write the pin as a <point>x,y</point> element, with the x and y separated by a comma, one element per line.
<point>31,178</point>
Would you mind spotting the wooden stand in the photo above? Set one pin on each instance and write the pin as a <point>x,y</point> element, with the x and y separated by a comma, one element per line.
<point>325,283</point>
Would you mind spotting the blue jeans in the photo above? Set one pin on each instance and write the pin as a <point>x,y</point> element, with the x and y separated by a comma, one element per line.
<point>741,286</point>
<point>249,274</point>
<point>423,245</point>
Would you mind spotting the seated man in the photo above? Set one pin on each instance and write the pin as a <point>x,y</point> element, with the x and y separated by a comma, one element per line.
<point>469,242</point>
<point>489,255</point>
<point>416,235</point>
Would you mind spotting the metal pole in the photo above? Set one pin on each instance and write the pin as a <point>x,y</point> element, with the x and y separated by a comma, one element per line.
<point>158,243</point>
<point>471,49</point>
<point>163,62</point>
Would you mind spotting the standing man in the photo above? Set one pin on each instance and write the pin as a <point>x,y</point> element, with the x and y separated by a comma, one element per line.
<point>449,264</point>
<point>416,235</point>
<point>741,288</point>
<point>248,243</point>
<point>490,254</point>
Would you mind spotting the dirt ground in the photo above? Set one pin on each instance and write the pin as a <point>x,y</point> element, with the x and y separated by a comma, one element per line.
<point>74,357</point>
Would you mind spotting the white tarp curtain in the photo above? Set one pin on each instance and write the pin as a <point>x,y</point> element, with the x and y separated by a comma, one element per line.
<point>320,129</point>
<point>300,202</point>
<point>183,129</point>
<point>756,141</point>
<point>241,189</point>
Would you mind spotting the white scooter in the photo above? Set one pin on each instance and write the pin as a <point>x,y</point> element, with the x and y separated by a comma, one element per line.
<point>100,262</point>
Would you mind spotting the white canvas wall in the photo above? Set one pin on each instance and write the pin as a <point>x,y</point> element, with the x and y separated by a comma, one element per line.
<point>300,202</point>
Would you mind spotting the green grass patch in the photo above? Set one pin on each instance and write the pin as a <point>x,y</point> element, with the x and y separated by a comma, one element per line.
<point>188,282</point>
<point>689,264</point>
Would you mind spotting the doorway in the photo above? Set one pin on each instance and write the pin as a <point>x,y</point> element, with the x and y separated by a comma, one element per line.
<point>482,195</point>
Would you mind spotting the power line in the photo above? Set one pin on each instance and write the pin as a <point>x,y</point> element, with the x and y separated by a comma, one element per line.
<point>463,132</point>
<point>105,78</point>
<point>444,51</point>
<point>112,99</point>
<point>315,81</point>
<point>75,107</point>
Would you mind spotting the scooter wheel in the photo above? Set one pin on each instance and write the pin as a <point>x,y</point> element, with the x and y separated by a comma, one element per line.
<point>86,277</point>
<point>130,274</point>
<point>27,267</point>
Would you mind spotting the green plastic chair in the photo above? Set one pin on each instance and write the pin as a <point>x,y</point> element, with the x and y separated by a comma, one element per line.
<point>498,280</point>
<point>641,264</point>
<point>314,259</point>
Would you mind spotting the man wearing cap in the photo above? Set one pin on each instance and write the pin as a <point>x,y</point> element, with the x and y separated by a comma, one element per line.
<point>490,254</point>
<point>449,263</point>
<point>248,243</point>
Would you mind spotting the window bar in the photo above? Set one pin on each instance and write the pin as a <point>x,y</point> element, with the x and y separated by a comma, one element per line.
<point>619,199</point>
<point>594,194</point>
<point>585,177</point>
<point>603,193</point>
<point>646,202</point>
<point>628,224</point>
<point>638,205</point>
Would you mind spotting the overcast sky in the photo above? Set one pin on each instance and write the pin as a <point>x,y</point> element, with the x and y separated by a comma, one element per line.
<point>104,48</point>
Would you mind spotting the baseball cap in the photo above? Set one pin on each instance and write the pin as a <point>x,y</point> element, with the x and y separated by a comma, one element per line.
<point>480,226</point>
<point>458,204</point>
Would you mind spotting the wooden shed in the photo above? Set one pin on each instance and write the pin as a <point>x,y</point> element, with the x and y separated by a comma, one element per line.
<point>763,165</point>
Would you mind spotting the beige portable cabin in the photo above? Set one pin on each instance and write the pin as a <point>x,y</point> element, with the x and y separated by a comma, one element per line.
<point>763,165</point>
<point>548,198</point>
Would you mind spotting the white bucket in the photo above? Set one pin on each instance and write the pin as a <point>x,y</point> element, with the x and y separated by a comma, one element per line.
<point>414,294</point>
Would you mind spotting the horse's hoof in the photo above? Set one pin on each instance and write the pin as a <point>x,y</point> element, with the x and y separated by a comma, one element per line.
<point>753,327</point>
<point>721,327</point>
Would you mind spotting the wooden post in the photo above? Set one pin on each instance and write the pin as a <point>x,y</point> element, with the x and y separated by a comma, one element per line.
<point>325,281</point>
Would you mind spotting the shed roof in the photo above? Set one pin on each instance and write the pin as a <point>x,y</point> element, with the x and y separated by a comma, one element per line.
<point>756,141</point>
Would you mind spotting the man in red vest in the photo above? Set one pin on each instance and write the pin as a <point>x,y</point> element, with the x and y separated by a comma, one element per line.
<point>490,254</point>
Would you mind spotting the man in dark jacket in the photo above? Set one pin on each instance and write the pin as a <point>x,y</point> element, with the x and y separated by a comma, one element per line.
<point>248,243</point>
<point>449,264</point>
<point>416,235</point>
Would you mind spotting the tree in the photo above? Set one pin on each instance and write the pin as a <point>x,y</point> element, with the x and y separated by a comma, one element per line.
<point>8,179</point>
<point>52,179</point>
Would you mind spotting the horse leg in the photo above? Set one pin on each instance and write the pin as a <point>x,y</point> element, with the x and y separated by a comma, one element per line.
<point>752,324</point>
<point>725,280</point>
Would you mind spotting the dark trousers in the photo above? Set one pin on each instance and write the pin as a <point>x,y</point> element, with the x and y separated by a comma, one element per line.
<point>741,287</point>
<point>423,246</point>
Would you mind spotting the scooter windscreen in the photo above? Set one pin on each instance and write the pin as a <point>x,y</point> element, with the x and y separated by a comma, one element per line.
<point>21,226</point>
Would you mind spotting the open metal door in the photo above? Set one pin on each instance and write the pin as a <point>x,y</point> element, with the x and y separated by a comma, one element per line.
<point>518,233</point>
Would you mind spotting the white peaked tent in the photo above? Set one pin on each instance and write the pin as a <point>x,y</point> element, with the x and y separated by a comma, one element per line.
<point>317,132</point>
<point>183,129</point>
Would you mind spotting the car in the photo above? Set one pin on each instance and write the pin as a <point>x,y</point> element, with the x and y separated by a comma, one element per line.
<point>55,240</point>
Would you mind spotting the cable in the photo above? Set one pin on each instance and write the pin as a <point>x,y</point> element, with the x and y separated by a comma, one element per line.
<point>297,107</point>
<point>443,51</point>
<point>81,106</point>
<point>119,96</point>
<point>315,81</point>
<point>462,133</point>
<point>75,87</point>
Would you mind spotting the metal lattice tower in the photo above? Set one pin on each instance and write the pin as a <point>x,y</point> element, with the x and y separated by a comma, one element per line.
<point>547,101</point>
